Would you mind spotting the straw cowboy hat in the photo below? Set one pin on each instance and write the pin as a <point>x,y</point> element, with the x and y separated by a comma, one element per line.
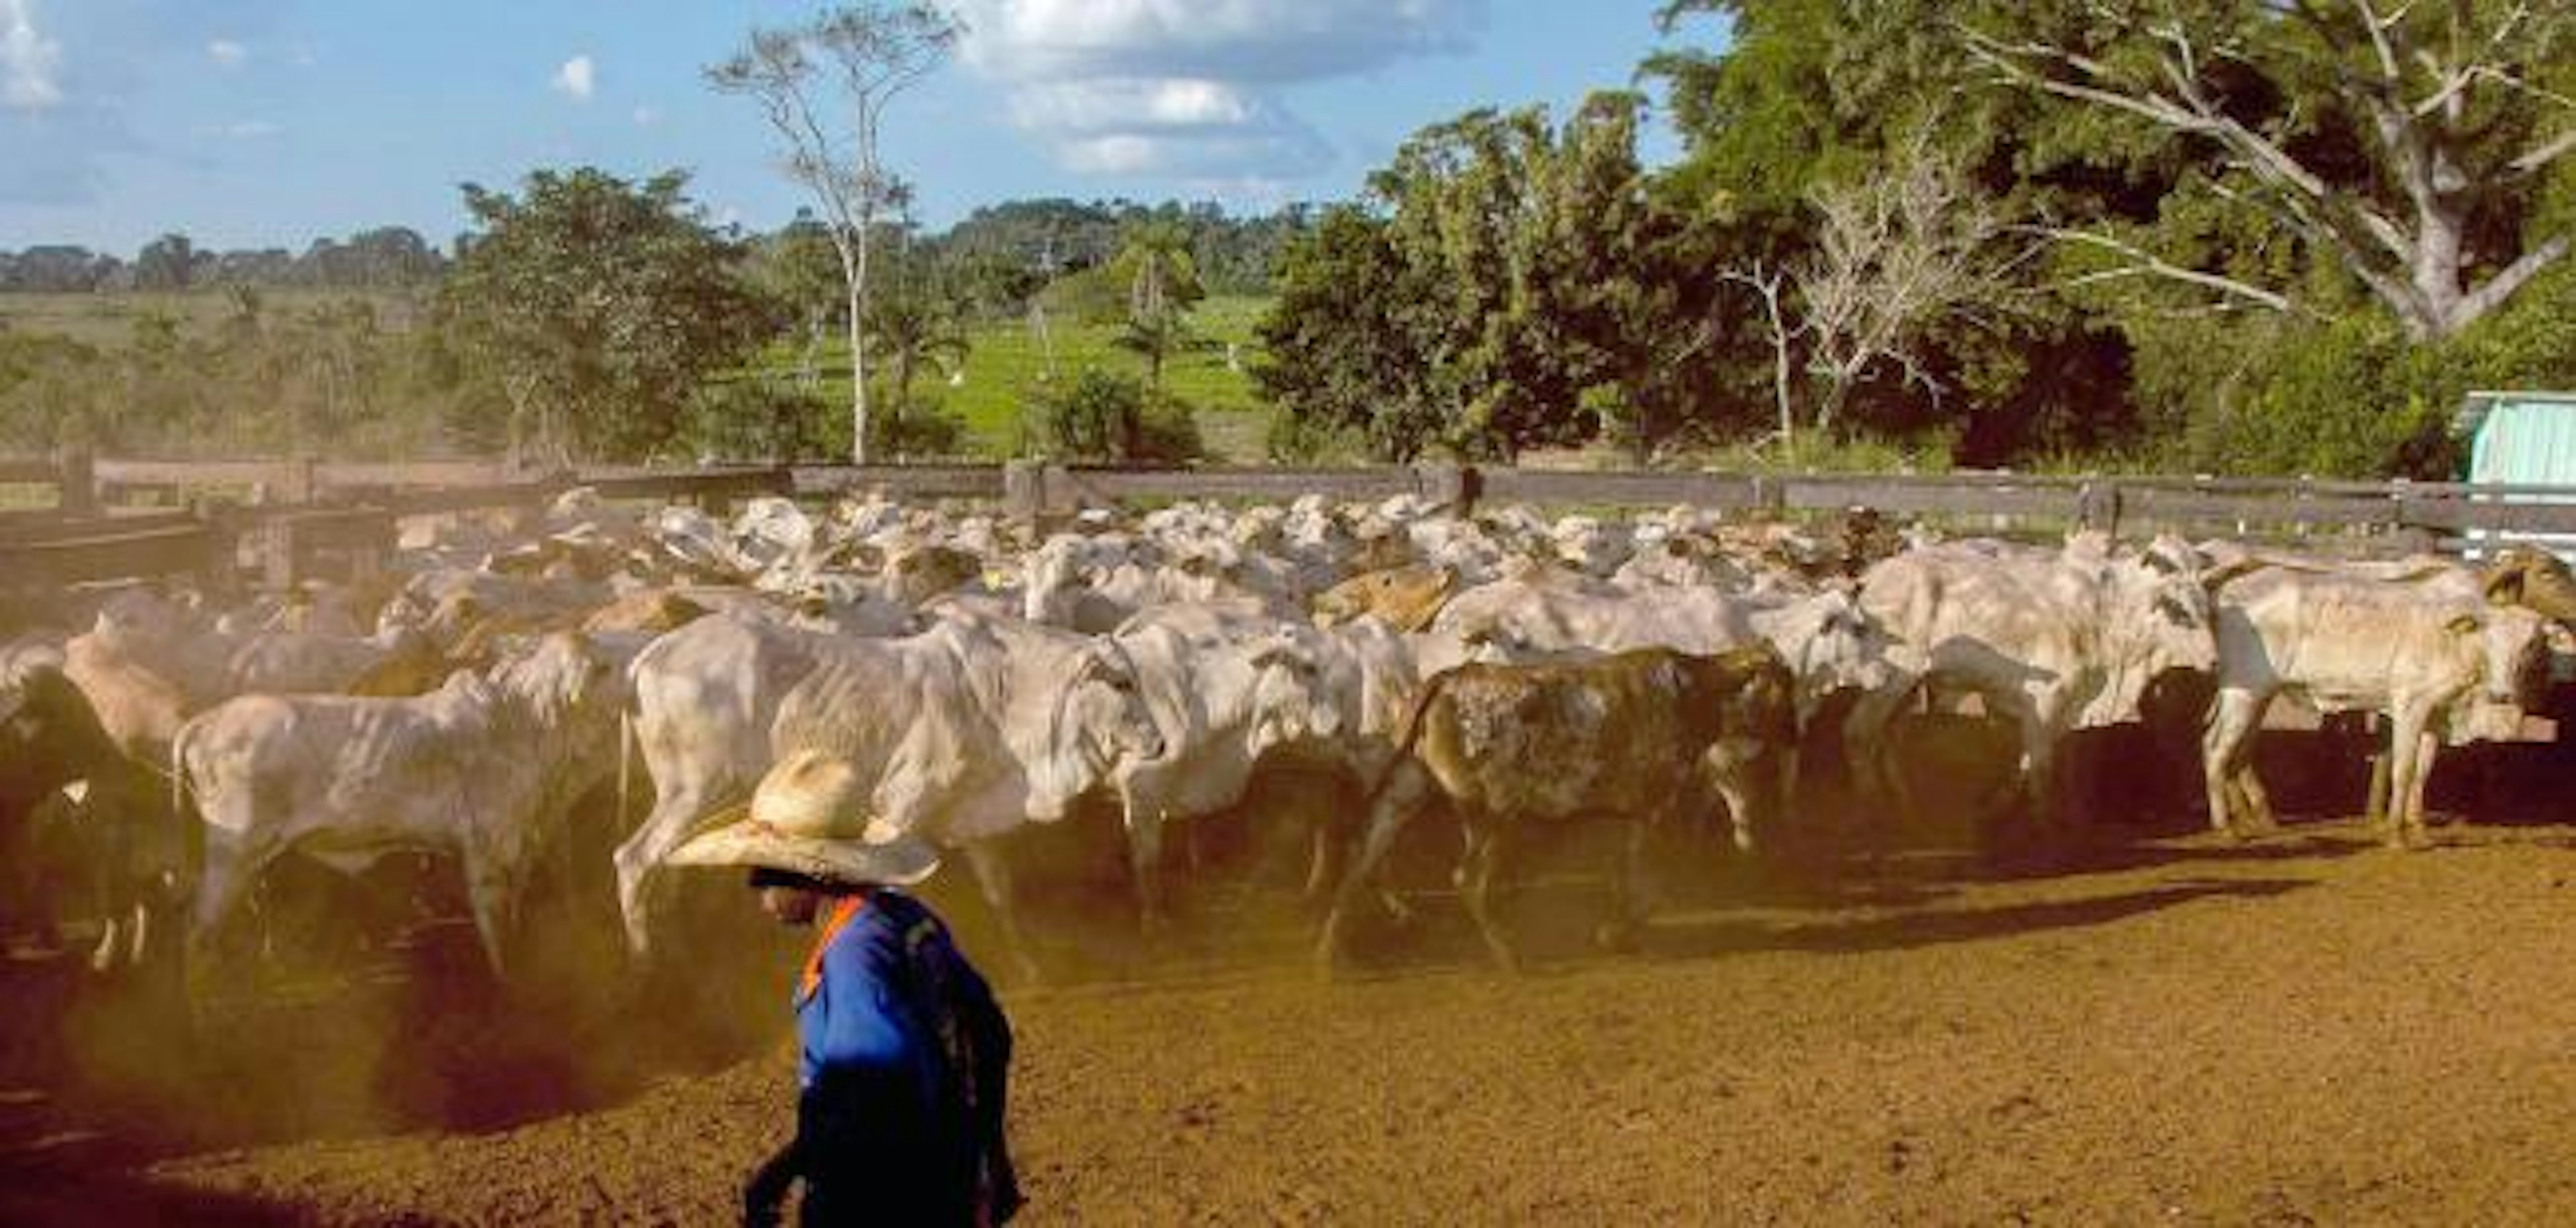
<point>809,816</point>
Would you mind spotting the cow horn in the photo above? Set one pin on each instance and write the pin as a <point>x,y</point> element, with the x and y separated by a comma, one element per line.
<point>2504,580</point>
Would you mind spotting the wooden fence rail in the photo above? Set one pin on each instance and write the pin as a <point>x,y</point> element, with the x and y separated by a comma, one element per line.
<point>291,508</point>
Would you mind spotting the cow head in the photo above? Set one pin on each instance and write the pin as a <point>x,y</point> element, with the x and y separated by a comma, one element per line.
<point>2513,651</point>
<point>1290,693</point>
<point>1054,582</point>
<point>1405,598</point>
<point>917,575</point>
<point>2167,608</point>
<point>568,683</point>
<point>1832,644</point>
<point>2533,579</point>
<point>1100,717</point>
<point>1749,696</point>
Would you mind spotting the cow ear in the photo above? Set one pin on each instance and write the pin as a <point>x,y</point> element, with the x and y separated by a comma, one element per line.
<point>2463,624</point>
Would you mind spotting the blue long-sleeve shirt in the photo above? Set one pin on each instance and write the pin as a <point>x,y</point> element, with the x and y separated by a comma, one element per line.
<point>901,1052</point>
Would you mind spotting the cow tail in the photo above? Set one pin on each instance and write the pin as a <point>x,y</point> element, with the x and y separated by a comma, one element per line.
<point>625,764</point>
<point>179,773</point>
<point>1408,734</point>
<point>191,832</point>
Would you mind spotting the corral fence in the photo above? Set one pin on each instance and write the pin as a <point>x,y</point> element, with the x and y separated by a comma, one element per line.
<point>110,518</point>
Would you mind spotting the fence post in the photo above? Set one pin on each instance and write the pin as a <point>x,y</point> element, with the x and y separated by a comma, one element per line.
<point>76,481</point>
<point>2097,506</point>
<point>277,570</point>
<point>218,570</point>
<point>302,479</point>
<point>1023,496</point>
<point>1770,497</point>
<point>1452,488</point>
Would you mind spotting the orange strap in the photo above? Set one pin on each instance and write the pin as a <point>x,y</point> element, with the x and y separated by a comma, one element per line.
<point>844,912</point>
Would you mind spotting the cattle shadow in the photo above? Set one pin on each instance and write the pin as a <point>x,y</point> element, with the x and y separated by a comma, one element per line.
<point>377,1011</point>
<point>1685,938</point>
<point>43,1197</point>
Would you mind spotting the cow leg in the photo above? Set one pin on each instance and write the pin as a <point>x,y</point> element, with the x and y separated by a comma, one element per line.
<point>992,865</point>
<point>639,861</point>
<point>2039,775</point>
<point>493,890</point>
<point>1874,772</point>
<point>2222,755</point>
<point>2254,800</point>
<point>232,866</point>
<point>1475,878</point>
<point>1397,798</point>
<point>1145,862</point>
<point>2410,754</point>
<point>2409,805</point>
<point>2374,809</point>
<point>1322,842</point>
<point>1629,889</point>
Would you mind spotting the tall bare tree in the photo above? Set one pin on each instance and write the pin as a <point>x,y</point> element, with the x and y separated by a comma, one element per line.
<point>2452,107</point>
<point>1896,253</point>
<point>859,57</point>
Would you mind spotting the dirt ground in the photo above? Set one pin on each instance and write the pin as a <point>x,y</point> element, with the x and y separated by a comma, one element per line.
<point>2163,1028</point>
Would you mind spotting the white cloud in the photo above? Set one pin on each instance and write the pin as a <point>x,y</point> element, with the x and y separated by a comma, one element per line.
<point>1244,40</point>
<point>578,78</point>
<point>646,117</point>
<point>28,59</point>
<point>250,129</point>
<point>227,53</point>
<point>1190,88</point>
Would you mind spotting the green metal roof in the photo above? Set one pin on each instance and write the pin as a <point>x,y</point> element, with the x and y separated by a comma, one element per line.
<point>2527,437</point>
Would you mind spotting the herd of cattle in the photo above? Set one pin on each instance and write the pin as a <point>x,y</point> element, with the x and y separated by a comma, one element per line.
<point>973,678</point>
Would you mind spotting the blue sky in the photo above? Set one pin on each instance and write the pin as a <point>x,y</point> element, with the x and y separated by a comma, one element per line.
<point>271,122</point>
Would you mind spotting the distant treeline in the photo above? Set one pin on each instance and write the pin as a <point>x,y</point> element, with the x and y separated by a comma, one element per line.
<point>1031,242</point>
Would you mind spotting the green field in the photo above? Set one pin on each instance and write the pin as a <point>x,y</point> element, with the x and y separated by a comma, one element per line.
<point>107,320</point>
<point>1007,361</point>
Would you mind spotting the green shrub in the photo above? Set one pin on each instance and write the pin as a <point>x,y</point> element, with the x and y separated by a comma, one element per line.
<point>922,430</point>
<point>2351,398</point>
<point>1294,440</point>
<point>764,419</point>
<point>1107,416</point>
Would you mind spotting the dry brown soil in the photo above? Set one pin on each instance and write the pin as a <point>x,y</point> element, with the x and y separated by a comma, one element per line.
<point>2166,1029</point>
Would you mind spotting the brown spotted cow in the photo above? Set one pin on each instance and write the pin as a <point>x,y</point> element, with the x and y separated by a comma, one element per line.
<point>1625,735</point>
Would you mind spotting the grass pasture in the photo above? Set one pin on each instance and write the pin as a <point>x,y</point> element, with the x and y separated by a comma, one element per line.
<point>107,320</point>
<point>1008,361</point>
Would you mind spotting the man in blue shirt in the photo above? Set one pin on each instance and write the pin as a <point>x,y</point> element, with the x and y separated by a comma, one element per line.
<point>904,1055</point>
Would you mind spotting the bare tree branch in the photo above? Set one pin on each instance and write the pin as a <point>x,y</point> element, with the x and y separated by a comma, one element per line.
<point>2420,264</point>
<point>2143,263</point>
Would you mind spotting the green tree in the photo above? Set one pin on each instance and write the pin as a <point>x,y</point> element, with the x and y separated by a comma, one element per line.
<point>1162,280</point>
<point>800,269</point>
<point>870,53</point>
<point>2408,147</point>
<point>917,322</point>
<point>597,306</point>
<point>1341,354</point>
<point>1517,283</point>
<point>166,263</point>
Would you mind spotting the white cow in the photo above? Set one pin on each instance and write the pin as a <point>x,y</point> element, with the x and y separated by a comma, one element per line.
<point>1225,683</point>
<point>2420,650</point>
<point>485,768</point>
<point>969,731</point>
<point>2052,642</point>
<point>304,662</point>
<point>704,699</point>
<point>1829,642</point>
